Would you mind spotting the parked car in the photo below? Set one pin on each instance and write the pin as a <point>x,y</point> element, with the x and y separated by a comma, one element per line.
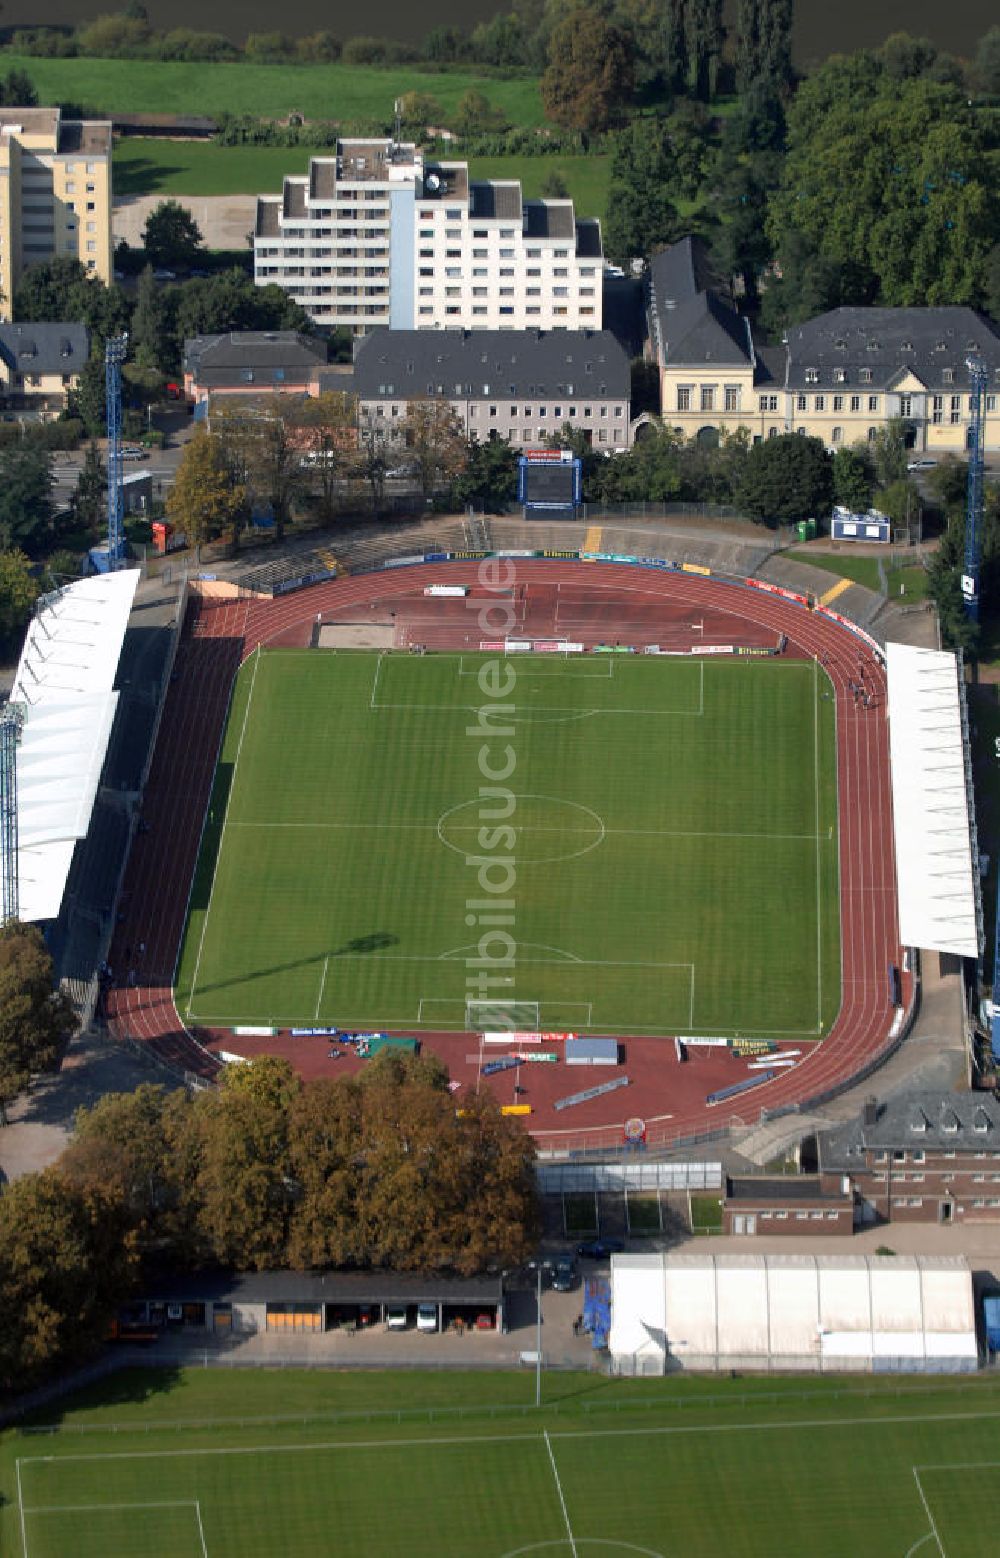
<point>485,1322</point>
<point>427,1317</point>
<point>134,452</point>
<point>600,1249</point>
<point>921,465</point>
<point>395,1318</point>
<point>564,1273</point>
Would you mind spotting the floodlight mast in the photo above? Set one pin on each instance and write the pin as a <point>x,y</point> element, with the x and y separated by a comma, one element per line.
<point>974,491</point>
<point>114,355</point>
<point>11,725</point>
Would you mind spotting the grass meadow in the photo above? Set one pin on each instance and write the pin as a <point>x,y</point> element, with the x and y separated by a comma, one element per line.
<point>207,1464</point>
<point>342,92</point>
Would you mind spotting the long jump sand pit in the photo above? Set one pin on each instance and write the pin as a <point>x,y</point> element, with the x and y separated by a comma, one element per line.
<point>356,635</point>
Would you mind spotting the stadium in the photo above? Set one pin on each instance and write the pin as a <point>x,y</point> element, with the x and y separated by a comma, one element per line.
<point>700,825</point>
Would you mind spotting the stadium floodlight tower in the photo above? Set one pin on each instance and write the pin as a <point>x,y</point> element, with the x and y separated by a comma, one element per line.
<point>974,492</point>
<point>114,356</point>
<point>11,725</point>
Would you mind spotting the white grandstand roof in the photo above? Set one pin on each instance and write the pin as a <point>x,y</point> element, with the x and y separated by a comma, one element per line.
<point>64,683</point>
<point>934,866</point>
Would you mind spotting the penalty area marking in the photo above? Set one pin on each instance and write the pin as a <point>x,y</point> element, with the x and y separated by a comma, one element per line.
<point>322,985</point>
<point>525,664</point>
<point>97,1509</point>
<point>378,668</point>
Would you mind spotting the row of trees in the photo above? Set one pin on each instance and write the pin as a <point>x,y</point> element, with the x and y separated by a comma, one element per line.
<point>777,481</point>
<point>871,186</point>
<point>263,1172</point>
<point>948,482</point>
<point>35,1022</point>
<point>677,45</point>
<point>296,454</point>
<point>293,455</point>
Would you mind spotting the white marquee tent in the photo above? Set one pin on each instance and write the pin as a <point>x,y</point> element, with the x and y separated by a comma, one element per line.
<point>875,1313</point>
<point>64,686</point>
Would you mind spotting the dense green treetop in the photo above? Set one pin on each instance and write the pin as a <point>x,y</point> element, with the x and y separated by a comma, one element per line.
<point>893,183</point>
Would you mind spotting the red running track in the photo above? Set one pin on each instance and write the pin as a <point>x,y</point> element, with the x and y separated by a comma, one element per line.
<point>603,602</point>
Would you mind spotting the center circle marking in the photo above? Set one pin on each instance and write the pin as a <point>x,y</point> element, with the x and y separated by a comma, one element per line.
<point>499,822</point>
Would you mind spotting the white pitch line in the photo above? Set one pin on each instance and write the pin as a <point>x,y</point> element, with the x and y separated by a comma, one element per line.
<point>83,1509</point>
<point>471,827</point>
<point>562,1501</point>
<point>201,1529</point>
<point>552,715</point>
<point>691,1006</point>
<point>322,986</point>
<point>406,1020</point>
<point>378,668</point>
<point>430,957</point>
<point>425,1442</point>
<point>927,1510</point>
<point>222,835</point>
<point>20,1505</point>
<point>819,924</point>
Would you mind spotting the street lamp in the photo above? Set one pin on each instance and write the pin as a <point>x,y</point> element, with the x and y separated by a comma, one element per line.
<point>538,1267</point>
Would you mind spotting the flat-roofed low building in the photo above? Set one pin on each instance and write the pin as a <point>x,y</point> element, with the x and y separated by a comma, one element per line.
<point>244,1303</point>
<point>521,386</point>
<point>786,1205</point>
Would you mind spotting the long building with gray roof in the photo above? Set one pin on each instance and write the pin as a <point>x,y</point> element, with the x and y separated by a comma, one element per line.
<point>520,386</point>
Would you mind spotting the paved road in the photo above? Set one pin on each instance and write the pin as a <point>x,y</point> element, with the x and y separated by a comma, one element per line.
<point>161,465</point>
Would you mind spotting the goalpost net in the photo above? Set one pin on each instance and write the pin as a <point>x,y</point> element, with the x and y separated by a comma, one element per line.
<point>502,1016</point>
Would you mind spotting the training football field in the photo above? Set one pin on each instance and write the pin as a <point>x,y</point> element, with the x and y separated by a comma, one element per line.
<point>663,833</point>
<point>670,1469</point>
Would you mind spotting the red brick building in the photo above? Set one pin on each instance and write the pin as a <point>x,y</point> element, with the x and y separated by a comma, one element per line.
<point>785,1204</point>
<point>920,1157</point>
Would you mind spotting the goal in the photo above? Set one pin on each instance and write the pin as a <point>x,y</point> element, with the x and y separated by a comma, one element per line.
<point>500,1015</point>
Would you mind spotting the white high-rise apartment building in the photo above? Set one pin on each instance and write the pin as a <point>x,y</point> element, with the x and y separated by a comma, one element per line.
<point>376,236</point>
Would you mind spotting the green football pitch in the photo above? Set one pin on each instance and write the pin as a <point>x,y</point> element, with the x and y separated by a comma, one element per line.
<point>669,1469</point>
<point>671,864</point>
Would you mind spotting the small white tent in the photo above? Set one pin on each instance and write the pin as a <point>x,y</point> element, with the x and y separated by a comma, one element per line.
<point>802,1312</point>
